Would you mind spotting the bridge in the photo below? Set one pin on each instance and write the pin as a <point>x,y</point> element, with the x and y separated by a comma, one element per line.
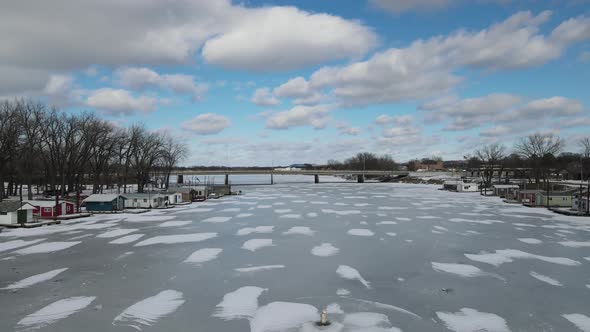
<point>316,173</point>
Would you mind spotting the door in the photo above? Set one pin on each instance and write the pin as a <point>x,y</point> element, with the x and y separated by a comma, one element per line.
<point>21,216</point>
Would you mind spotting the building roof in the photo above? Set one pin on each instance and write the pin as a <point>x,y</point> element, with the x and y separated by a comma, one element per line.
<point>506,186</point>
<point>11,206</point>
<point>142,195</point>
<point>46,203</point>
<point>529,191</point>
<point>96,198</point>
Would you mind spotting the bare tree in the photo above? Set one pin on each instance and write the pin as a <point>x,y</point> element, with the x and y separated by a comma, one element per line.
<point>490,158</point>
<point>9,136</point>
<point>33,125</point>
<point>538,150</point>
<point>172,153</point>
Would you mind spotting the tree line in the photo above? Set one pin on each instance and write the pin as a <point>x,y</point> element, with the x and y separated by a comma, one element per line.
<point>62,152</point>
<point>364,161</point>
<point>535,157</point>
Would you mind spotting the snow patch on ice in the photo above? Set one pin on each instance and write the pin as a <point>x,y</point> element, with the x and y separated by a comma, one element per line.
<point>341,212</point>
<point>350,273</point>
<point>239,304</point>
<point>312,214</point>
<point>255,244</point>
<point>530,240</point>
<point>575,244</point>
<point>546,279</point>
<point>325,250</point>
<point>259,268</point>
<point>282,316</point>
<point>342,292</point>
<point>32,280</point>
<point>259,229</point>
<point>17,244</point>
<point>203,255</point>
<point>179,238</point>
<point>469,320</point>
<point>244,215</point>
<point>582,322</point>
<point>175,223</point>
<point>117,233</point>
<point>279,211</point>
<point>148,311</point>
<point>127,239</point>
<point>47,247</point>
<point>291,216</point>
<point>299,230</point>
<point>216,219</point>
<point>55,311</point>
<point>508,255</point>
<point>360,232</point>
<point>391,233</point>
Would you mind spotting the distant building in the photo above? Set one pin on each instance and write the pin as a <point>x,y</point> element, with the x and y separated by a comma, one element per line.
<point>174,197</point>
<point>581,202</point>
<point>104,202</point>
<point>460,186</point>
<point>527,196</point>
<point>426,165</point>
<point>558,199</point>
<point>14,213</point>
<point>505,190</point>
<point>47,209</point>
<point>145,200</point>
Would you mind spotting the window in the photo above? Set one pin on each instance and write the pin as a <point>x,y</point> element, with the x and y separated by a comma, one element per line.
<point>3,213</point>
<point>46,209</point>
<point>145,200</point>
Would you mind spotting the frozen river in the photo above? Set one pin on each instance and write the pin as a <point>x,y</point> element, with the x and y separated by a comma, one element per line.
<point>379,257</point>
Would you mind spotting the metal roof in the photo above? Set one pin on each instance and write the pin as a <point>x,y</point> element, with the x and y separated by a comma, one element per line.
<point>101,198</point>
<point>10,206</point>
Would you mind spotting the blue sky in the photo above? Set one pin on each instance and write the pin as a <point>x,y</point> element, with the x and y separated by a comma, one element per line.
<point>280,82</point>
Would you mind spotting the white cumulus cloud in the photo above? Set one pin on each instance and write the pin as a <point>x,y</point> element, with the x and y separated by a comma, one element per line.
<point>119,102</point>
<point>317,116</point>
<point>206,124</point>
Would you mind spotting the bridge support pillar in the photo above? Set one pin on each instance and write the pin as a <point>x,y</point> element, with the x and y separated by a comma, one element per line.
<point>226,179</point>
<point>272,180</point>
<point>316,178</point>
<point>360,178</point>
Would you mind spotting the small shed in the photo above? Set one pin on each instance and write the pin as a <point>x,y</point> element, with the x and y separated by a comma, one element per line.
<point>505,190</point>
<point>174,197</point>
<point>46,208</point>
<point>527,197</point>
<point>145,200</point>
<point>558,199</point>
<point>581,202</point>
<point>13,213</point>
<point>104,202</point>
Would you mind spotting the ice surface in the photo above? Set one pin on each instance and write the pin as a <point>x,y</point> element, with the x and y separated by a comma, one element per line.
<point>47,247</point>
<point>470,320</point>
<point>546,279</point>
<point>255,244</point>
<point>403,218</point>
<point>203,255</point>
<point>324,250</point>
<point>180,238</point>
<point>239,304</point>
<point>144,218</point>
<point>508,255</point>
<point>32,280</point>
<point>244,215</point>
<point>117,233</point>
<point>312,214</point>
<point>259,229</point>
<point>391,233</point>
<point>259,268</point>
<point>351,273</point>
<point>581,321</point>
<point>148,311</point>
<point>360,232</point>
<point>127,239</point>
<point>55,311</point>
<point>283,211</point>
<point>217,219</point>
